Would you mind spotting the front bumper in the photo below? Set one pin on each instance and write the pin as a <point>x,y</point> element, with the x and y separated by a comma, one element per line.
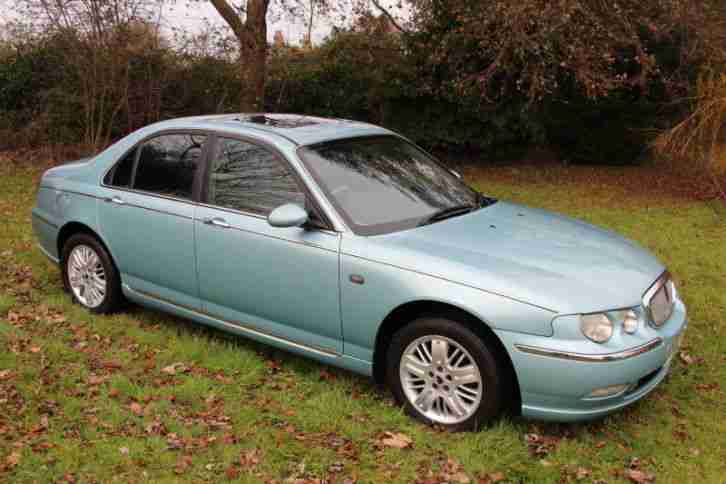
<point>556,376</point>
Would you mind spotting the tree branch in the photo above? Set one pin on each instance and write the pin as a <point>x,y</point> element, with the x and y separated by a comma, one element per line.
<point>388,15</point>
<point>230,16</point>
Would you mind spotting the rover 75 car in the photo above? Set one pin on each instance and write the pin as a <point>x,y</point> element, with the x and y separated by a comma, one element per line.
<point>345,242</point>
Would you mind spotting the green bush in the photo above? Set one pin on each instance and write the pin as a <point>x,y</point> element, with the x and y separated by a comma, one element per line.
<point>371,76</point>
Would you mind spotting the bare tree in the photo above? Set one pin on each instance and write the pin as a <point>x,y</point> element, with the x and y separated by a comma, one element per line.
<point>99,39</point>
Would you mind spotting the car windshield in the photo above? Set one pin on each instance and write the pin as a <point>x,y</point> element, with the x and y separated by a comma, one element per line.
<point>383,184</point>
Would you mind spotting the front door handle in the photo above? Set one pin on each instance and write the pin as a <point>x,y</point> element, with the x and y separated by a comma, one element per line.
<point>217,222</point>
<point>116,200</point>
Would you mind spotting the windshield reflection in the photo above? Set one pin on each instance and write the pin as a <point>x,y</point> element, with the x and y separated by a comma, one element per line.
<point>381,184</point>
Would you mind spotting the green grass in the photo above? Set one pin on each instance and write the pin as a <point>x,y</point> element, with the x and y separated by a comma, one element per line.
<point>84,396</point>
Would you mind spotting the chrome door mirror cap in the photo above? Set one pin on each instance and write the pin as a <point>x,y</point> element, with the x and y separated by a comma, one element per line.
<point>288,215</point>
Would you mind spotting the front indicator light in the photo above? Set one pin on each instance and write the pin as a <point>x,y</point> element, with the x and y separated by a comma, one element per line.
<point>608,391</point>
<point>596,327</point>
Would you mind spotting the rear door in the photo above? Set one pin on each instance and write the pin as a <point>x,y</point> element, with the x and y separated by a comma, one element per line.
<point>147,216</point>
<point>281,282</point>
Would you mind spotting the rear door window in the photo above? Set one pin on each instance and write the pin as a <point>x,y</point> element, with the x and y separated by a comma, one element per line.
<point>120,175</point>
<point>168,165</point>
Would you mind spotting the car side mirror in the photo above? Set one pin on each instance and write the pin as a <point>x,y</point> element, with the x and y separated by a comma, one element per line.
<point>288,215</point>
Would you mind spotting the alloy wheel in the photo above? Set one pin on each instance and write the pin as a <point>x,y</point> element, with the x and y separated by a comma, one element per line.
<point>86,276</point>
<point>441,379</point>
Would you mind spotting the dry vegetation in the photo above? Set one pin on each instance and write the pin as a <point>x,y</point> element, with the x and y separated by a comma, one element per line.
<point>699,141</point>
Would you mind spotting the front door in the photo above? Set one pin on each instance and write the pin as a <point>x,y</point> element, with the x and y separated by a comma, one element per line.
<point>280,282</point>
<point>147,217</point>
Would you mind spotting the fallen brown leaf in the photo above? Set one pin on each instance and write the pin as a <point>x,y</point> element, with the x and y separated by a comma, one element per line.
<point>327,376</point>
<point>96,380</point>
<point>495,477</point>
<point>396,440</point>
<point>686,358</point>
<point>183,464</point>
<point>639,477</point>
<point>232,473</point>
<point>174,368</point>
<point>582,473</point>
<point>704,387</point>
<point>136,408</point>
<point>13,459</point>
<point>250,458</point>
<point>459,477</point>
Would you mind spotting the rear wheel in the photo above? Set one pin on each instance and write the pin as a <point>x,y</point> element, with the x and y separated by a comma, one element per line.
<point>444,374</point>
<point>90,275</point>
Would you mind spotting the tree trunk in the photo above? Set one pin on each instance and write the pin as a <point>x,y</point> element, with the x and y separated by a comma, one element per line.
<point>252,36</point>
<point>253,57</point>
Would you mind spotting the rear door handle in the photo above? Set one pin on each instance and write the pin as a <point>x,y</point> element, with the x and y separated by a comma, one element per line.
<point>217,222</point>
<point>116,200</point>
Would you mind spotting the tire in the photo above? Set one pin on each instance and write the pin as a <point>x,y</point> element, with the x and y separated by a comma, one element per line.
<point>82,247</point>
<point>451,405</point>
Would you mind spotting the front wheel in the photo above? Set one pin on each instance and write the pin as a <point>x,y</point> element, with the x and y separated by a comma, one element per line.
<point>444,374</point>
<point>90,275</point>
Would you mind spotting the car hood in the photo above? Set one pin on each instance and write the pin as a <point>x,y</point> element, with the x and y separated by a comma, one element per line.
<point>531,255</point>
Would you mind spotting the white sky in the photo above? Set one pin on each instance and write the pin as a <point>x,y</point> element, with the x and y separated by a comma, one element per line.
<point>192,16</point>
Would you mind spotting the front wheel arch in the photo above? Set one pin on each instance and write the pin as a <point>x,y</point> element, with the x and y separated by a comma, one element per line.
<point>409,312</point>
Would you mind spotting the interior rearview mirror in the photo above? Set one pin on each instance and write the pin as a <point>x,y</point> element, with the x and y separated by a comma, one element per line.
<point>288,215</point>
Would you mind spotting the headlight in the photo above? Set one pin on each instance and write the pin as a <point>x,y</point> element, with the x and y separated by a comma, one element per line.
<point>659,300</point>
<point>596,327</point>
<point>630,322</point>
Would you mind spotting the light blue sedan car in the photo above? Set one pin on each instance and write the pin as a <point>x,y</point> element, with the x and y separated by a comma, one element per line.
<point>344,242</point>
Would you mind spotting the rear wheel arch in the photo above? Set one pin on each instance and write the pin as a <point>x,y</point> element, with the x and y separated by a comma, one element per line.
<point>407,313</point>
<point>72,228</point>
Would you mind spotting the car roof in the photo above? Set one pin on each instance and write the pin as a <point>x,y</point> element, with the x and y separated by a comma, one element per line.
<point>296,128</point>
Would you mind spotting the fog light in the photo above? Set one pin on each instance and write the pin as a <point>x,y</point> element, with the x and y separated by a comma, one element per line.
<point>630,322</point>
<point>608,391</point>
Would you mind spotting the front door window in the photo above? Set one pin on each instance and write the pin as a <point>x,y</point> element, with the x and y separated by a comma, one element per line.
<point>246,177</point>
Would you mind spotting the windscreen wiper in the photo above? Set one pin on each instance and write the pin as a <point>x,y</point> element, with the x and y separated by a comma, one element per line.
<point>485,201</point>
<point>448,213</point>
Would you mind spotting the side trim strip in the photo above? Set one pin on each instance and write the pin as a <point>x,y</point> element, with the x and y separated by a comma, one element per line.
<point>186,201</point>
<point>604,358</point>
<point>43,219</point>
<point>242,327</point>
<point>71,191</point>
<point>48,255</point>
<point>142,207</point>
